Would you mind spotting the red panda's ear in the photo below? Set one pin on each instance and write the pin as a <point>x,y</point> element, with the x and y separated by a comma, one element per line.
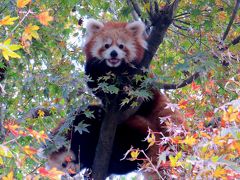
<point>136,27</point>
<point>93,26</point>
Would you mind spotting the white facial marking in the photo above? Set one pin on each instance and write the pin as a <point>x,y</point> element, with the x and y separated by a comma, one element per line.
<point>114,61</point>
<point>96,46</point>
<point>132,50</point>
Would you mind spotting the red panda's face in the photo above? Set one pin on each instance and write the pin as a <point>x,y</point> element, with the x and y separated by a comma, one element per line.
<point>115,42</point>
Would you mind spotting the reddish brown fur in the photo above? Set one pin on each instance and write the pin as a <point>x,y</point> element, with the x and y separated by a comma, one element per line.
<point>115,30</point>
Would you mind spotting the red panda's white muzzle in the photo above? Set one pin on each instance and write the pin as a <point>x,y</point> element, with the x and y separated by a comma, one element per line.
<point>113,62</point>
<point>114,56</point>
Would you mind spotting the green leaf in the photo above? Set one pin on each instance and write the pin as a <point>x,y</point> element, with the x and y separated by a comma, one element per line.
<point>81,127</point>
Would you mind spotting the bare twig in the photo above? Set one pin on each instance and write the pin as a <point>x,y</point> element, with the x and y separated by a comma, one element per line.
<point>235,41</point>
<point>232,43</point>
<point>180,27</point>
<point>136,7</point>
<point>179,85</point>
<point>234,13</point>
<point>183,22</point>
<point>134,13</point>
<point>152,165</point>
<point>137,13</point>
<point>180,15</point>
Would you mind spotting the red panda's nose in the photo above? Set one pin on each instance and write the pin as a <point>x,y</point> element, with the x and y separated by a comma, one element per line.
<point>114,54</point>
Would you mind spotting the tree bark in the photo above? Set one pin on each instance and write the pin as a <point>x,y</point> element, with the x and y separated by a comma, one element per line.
<point>161,20</point>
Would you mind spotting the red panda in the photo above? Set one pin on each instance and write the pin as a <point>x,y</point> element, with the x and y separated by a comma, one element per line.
<point>114,49</point>
<point>117,49</point>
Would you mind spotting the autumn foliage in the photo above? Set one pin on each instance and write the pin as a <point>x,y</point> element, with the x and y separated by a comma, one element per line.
<point>42,83</point>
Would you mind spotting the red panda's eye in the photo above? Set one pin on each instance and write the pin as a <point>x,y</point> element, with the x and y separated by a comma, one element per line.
<point>121,46</point>
<point>107,46</point>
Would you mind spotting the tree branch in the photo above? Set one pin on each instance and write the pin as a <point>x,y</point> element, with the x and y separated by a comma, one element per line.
<point>106,139</point>
<point>179,85</point>
<point>234,13</point>
<point>180,27</point>
<point>105,144</point>
<point>136,8</point>
<point>137,13</point>
<point>160,21</point>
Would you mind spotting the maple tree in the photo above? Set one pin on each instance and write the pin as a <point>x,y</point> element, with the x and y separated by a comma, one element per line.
<point>197,64</point>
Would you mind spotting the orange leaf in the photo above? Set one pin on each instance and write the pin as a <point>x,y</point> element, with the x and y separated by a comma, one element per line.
<point>219,172</point>
<point>222,16</point>
<point>30,32</point>
<point>200,125</point>
<point>195,87</point>
<point>203,134</point>
<point>183,104</point>
<point>44,18</point>
<point>40,136</point>
<point>22,3</point>
<point>236,145</point>
<point>30,151</point>
<point>176,140</point>
<point>8,20</point>
<point>11,126</point>
<point>53,173</point>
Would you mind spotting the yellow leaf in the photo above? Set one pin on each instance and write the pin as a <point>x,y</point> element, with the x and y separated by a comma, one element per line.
<point>219,172</point>
<point>30,151</point>
<point>22,3</point>
<point>4,151</point>
<point>151,140</point>
<point>231,115</point>
<point>146,6</point>
<point>134,154</point>
<point>44,18</point>
<point>8,50</point>
<point>9,176</point>
<point>219,140</point>
<point>41,113</point>
<point>219,3</point>
<point>8,20</point>
<point>190,140</point>
<point>214,159</point>
<point>1,161</point>
<point>30,32</point>
<point>173,160</point>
